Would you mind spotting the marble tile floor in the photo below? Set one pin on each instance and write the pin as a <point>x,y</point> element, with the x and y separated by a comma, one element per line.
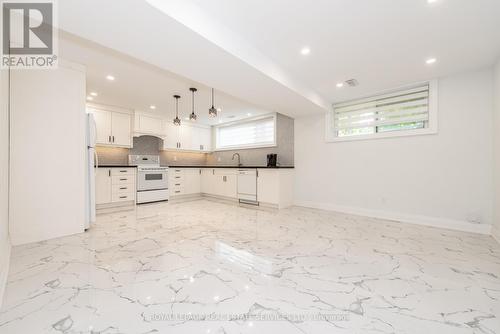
<point>210,267</point>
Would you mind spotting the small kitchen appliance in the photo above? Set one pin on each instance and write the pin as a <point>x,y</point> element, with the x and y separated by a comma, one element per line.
<point>272,160</point>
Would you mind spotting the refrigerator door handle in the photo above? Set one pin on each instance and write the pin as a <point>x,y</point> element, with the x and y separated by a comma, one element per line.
<point>96,157</point>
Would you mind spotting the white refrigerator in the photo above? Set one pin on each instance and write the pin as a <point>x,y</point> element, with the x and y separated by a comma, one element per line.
<point>92,163</point>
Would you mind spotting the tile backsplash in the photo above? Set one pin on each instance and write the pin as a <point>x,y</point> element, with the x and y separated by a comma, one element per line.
<point>152,145</point>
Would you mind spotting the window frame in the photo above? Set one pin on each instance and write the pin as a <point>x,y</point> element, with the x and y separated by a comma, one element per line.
<point>432,128</point>
<point>242,121</point>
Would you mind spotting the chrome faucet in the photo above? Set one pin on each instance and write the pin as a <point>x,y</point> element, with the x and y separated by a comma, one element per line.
<point>239,159</point>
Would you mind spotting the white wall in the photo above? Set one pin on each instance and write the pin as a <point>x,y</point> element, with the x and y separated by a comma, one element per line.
<point>443,179</point>
<point>48,153</point>
<point>496,150</point>
<point>4,179</point>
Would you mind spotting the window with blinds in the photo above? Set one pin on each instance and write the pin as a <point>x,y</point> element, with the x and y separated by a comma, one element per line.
<point>405,110</point>
<point>255,133</point>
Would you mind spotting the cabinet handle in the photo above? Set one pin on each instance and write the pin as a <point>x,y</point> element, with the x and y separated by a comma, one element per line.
<point>109,172</point>
<point>109,139</point>
<point>177,177</point>
<point>123,196</point>
<point>178,170</point>
<point>177,191</point>
<point>113,139</point>
<point>123,171</point>
<point>123,179</point>
<point>123,188</point>
<point>177,184</point>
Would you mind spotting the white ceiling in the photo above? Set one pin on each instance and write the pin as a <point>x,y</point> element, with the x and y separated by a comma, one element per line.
<point>382,43</point>
<point>138,85</point>
<point>251,48</point>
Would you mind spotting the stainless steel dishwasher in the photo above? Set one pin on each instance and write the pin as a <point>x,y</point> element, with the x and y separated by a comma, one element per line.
<point>247,186</point>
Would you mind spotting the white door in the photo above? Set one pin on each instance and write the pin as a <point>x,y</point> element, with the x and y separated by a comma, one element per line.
<point>192,181</point>
<point>268,186</point>
<point>103,125</point>
<point>185,140</point>
<point>171,137</point>
<point>231,185</point>
<point>207,181</point>
<point>103,186</point>
<point>205,139</point>
<point>148,124</point>
<point>195,138</point>
<point>121,129</point>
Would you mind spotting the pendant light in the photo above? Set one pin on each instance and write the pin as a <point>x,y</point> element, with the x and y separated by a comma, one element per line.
<point>212,112</point>
<point>193,116</point>
<point>177,120</point>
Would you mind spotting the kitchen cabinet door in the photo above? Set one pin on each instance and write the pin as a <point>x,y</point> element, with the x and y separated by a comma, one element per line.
<point>185,139</point>
<point>268,185</point>
<point>192,179</point>
<point>145,124</point>
<point>205,139</point>
<point>171,136</point>
<point>103,125</point>
<point>231,186</point>
<point>121,129</point>
<point>103,186</point>
<point>207,181</point>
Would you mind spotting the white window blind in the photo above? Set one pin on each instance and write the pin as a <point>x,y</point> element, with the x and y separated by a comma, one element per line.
<point>403,110</point>
<point>258,132</point>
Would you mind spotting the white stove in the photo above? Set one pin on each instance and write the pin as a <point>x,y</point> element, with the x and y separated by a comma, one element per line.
<point>152,180</point>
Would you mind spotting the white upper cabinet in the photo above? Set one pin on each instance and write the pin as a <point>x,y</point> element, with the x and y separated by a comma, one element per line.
<point>145,124</point>
<point>202,139</point>
<point>171,141</point>
<point>113,128</point>
<point>187,137</point>
<point>120,129</point>
<point>103,124</point>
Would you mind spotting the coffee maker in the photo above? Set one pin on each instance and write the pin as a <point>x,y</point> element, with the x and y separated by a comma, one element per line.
<point>272,160</point>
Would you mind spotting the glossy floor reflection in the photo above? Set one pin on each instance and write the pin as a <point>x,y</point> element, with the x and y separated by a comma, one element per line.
<point>209,267</point>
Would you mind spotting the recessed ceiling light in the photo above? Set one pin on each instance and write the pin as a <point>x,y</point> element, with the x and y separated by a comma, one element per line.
<point>249,114</point>
<point>90,98</point>
<point>152,107</point>
<point>93,93</point>
<point>110,78</point>
<point>431,1</point>
<point>305,51</point>
<point>186,118</point>
<point>340,85</point>
<point>430,61</point>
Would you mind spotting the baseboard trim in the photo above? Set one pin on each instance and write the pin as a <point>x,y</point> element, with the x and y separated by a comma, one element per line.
<point>445,223</point>
<point>4,270</point>
<point>495,233</point>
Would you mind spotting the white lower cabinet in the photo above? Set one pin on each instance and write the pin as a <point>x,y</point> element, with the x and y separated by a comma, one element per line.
<point>274,186</point>
<point>115,185</point>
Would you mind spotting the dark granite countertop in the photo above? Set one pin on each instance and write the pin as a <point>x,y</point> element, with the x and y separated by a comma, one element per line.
<point>198,166</point>
<point>232,166</point>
